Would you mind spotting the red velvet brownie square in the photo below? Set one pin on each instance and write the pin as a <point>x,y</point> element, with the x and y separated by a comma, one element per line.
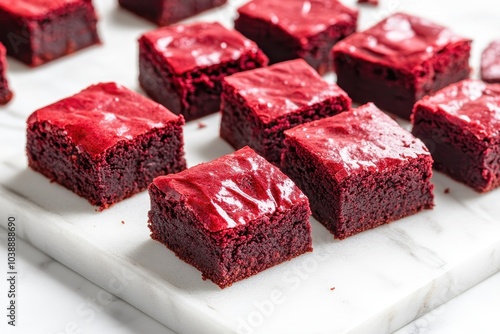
<point>258,105</point>
<point>461,126</point>
<point>490,63</point>
<point>105,143</point>
<point>38,31</point>
<point>230,218</point>
<point>5,92</point>
<point>359,170</point>
<point>182,66</point>
<point>292,29</point>
<point>165,12</point>
<point>399,61</point>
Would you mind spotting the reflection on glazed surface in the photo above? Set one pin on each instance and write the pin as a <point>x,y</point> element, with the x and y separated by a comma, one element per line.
<point>232,190</point>
<point>100,116</point>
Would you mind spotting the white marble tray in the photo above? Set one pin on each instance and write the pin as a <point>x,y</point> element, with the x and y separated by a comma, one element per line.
<point>383,278</point>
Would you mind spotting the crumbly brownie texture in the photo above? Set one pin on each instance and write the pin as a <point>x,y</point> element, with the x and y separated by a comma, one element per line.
<point>231,218</point>
<point>182,66</point>
<point>292,29</point>
<point>461,126</point>
<point>359,170</point>
<point>258,105</point>
<point>490,63</point>
<point>165,12</point>
<point>399,61</point>
<point>105,143</point>
<point>5,92</point>
<point>38,31</point>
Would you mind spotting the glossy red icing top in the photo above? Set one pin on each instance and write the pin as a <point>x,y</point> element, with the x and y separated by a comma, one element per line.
<point>283,88</point>
<point>30,8</point>
<point>400,41</point>
<point>102,115</point>
<point>185,47</point>
<point>300,18</point>
<point>471,104</point>
<point>490,63</point>
<point>233,190</point>
<point>361,139</point>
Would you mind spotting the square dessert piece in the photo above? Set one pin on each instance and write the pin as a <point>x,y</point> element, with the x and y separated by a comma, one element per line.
<point>359,169</point>
<point>230,218</point>
<point>461,126</point>
<point>5,92</point>
<point>258,105</point>
<point>165,12</point>
<point>105,143</point>
<point>292,29</point>
<point>38,31</point>
<point>490,63</point>
<point>182,66</point>
<point>399,61</point>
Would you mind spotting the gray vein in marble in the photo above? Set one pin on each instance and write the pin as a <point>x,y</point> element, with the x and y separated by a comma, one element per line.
<point>15,192</point>
<point>420,253</point>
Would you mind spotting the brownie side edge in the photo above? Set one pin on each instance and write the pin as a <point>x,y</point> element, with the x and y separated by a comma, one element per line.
<point>121,172</point>
<point>458,153</point>
<point>231,255</point>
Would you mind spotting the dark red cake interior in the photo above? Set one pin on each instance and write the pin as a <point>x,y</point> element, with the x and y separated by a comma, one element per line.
<point>5,92</point>
<point>461,126</point>
<point>400,60</point>
<point>105,143</point>
<point>165,12</point>
<point>292,29</point>
<point>230,218</point>
<point>38,31</point>
<point>182,67</point>
<point>359,170</point>
<point>259,105</point>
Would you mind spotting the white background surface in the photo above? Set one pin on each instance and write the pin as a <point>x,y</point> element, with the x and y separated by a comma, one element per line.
<point>54,299</point>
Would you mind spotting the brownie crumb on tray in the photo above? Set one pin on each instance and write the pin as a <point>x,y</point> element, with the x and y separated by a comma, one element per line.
<point>230,218</point>
<point>359,169</point>
<point>105,143</point>
<point>369,2</point>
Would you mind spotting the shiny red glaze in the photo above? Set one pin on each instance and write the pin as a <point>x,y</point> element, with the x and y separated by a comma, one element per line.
<point>100,116</point>
<point>233,190</point>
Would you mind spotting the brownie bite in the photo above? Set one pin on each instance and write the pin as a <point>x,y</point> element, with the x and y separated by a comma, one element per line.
<point>461,126</point>
<point>5,92</point>
<point>399,61</point>
<point>369,2</point>
<point>258,105</point>
<point>490,63</point>
<point>292,29</point>
<point>182,66</point>
<point>165,12</point>
<point>230,218</point>
<point>38,31</point>
<point>105,143</point>
<point>359,170</point>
